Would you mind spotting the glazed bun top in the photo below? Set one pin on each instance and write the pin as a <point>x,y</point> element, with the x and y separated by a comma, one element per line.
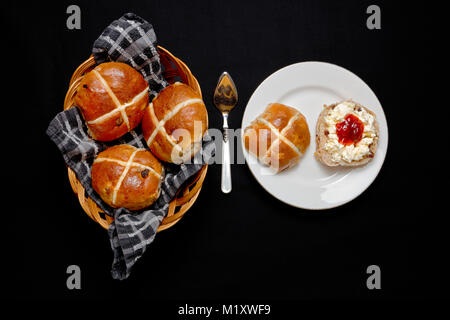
<point>174,123</point>
<point>112,98</point>
<point>278,137</point>
<point>128,177</point>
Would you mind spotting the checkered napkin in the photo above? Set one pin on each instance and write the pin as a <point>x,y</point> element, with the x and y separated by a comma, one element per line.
<point>131,232</point>
<point>132,40</point>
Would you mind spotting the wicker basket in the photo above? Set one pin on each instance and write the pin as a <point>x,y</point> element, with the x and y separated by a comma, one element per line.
<point>174,69</point>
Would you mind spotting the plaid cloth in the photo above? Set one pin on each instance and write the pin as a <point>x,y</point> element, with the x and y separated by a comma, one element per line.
<point>131,232</point>
<point>132,40</point>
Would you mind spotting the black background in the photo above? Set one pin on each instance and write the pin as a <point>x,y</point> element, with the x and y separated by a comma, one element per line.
<point>245,246</point>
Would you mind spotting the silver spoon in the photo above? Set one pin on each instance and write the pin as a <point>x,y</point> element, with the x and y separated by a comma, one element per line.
<point>225,99</point>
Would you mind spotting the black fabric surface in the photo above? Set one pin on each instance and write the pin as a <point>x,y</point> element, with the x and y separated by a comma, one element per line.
<point>245,246</point>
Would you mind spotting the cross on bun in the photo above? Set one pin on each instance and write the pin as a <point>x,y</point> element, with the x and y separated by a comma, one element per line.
<point>128,177</point>
<point>346,135</point>
<point>112,98</point>
<point>278,137</point>
<point>174,123</point>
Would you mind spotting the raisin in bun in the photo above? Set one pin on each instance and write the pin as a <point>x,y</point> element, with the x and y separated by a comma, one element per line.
<point>278,137</point>
<point>346,135</point>
<point>128,177</point>
<point>112,98</point>
<point>174,123</point>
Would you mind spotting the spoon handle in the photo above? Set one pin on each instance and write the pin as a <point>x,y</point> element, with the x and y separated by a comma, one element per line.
<point>226,159</point>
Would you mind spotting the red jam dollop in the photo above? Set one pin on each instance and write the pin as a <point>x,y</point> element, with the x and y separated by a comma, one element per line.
<point>350,130</point>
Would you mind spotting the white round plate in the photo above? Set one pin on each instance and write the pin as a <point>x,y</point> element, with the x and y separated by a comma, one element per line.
<point>307,86</point>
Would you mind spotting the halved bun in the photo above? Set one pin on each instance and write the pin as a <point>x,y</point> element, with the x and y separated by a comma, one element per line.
<point>326,157</point>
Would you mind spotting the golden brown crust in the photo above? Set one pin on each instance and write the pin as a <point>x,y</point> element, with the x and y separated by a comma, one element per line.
<point>177,109</point>
<point>133,185</point>
<point>279,115</point>
<point>278,137</point>
<point>103,90</point>
<point>255,135</point>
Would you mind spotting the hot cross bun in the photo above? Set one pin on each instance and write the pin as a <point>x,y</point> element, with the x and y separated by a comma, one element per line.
<point>174,123</point>
<point>112,98</point>
<point>278,137</point>
<point>128,177</point>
